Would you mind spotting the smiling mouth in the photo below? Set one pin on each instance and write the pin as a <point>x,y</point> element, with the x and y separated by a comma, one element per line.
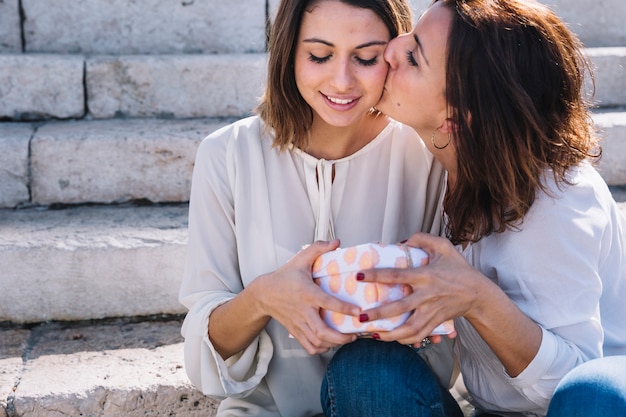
<point>339,100</point>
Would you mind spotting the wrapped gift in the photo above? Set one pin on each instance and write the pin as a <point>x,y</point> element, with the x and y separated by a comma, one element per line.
<point>335,272</point>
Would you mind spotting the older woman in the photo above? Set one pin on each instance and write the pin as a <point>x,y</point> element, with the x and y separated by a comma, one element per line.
<point>533,269</point>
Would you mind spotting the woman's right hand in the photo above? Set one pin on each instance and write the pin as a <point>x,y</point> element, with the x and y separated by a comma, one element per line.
<point>289,296</point>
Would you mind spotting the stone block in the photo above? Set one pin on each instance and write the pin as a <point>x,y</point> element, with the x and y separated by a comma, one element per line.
<point>14,163</point>
<point>175,86</point>
<point>610,75</point>
<point>601,23</point>
<point>112,161</point>
<point>87,262</point>
<point>109,369</point>
<point>612,166</point>
<point>41,87</point>
<point>144,27</point>
<point>10,28</point>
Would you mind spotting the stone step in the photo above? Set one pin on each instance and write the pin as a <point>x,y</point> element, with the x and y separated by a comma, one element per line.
<point>122,27</point>
<point>48,86</point>
<point>117,160</point>
<point>161,27</point>
<point>92,262</point>
<point>122,367</point>
<point>599,24</point>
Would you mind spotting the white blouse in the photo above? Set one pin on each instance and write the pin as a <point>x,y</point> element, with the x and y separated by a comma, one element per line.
<point>566,269</point>
<point>251,209</point>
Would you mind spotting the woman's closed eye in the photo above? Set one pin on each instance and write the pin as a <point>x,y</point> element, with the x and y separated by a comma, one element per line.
<point>411,59</point>
<point>317,59</point>
<point>367,62</point>
<point>361,61</point>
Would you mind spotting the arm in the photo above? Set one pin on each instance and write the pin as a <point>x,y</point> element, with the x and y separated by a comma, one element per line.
<point>235,357</point>
<point>438,295</point>
<point>287,295</point>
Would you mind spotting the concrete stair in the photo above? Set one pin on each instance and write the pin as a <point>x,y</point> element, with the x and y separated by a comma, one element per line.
<point>102,106</point>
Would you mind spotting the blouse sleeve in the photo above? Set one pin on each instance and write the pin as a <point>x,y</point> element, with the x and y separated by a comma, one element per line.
<point>553,275</point>
<point>212,277</point>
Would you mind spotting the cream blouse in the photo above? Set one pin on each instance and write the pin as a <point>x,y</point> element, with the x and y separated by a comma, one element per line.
<point>565,268</point>
<point>251,209</point>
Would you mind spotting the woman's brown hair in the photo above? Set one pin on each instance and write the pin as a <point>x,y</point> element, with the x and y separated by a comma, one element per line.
<point>514,85</point>
<point>282,108</point>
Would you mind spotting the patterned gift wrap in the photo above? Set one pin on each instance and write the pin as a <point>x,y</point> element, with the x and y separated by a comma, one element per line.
<point>335,272</point>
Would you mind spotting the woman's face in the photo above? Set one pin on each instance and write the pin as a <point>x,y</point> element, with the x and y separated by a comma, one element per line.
<point>415,88</point>
<point>339,66</point>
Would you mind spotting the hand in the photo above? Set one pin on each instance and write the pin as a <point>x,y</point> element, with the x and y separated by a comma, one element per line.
<point>443,289</point>
<point>290,296</point>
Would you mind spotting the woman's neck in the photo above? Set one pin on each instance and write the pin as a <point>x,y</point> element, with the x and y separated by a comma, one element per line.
<point>332,143</point>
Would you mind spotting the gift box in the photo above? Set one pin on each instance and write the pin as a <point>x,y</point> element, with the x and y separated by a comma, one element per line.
<point>335,272</point>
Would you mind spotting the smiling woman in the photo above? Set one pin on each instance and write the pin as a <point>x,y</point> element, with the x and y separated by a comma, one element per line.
<point>302,170</point>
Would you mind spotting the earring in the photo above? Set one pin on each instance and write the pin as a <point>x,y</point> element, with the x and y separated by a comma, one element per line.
<point>432,140</point>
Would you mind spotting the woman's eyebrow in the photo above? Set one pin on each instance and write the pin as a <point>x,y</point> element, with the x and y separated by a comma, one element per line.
<point>365,45</point>
<point>421,49</point>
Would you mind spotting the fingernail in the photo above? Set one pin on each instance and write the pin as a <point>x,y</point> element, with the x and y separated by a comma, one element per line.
<point>375,336</point>
<point>363,317</point>
<point>360,276</point>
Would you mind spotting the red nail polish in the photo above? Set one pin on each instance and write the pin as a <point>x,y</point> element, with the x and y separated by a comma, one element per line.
<point>375,336</point>
<point>363,317</point>
<point>360,276</point>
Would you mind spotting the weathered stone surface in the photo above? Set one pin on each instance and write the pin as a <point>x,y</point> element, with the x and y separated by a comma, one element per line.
<point>14,179</point>
<point>610,76</point>
<point>41,87</point>
<point>602,23</point>
<point>144,27</point>
<point>91,262</point>
<point>116,368</point>
<point>115,160</point>
<point>13,343</point>
<point>10,37</point>
<point>612,166</point>
<point>178,86</point>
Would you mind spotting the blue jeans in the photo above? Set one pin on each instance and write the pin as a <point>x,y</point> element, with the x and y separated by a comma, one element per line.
<point>374,378</point>
<point>595,388</point>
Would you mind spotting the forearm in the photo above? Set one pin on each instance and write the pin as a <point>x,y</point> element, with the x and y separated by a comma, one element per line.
<point>512,336</point>
<point>235,324</point>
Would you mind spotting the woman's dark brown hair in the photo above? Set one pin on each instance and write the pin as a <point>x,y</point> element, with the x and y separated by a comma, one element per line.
<point>282,108</point>
<point>514,85</point>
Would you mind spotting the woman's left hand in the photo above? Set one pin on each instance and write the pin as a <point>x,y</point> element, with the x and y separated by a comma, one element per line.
<point>446,288</point>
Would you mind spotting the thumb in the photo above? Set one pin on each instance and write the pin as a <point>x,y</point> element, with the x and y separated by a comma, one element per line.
<point>426,242</point>
<point>317,248</point>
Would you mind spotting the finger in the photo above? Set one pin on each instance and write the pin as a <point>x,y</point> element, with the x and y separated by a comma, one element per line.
<point>386,275</point>
<point>321,335</point>
<point>317,248</point>
<point>309,340</point>
<point>393,309</point>
<point>328,302</point>
<point>427,242</point>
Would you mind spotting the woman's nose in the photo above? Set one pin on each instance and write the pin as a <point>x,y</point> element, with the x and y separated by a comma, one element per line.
<point>342,75</point>
<point>391,52</point>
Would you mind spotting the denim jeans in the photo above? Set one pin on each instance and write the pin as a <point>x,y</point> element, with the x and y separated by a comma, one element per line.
<point>374,378</point>
<point>595,388</point>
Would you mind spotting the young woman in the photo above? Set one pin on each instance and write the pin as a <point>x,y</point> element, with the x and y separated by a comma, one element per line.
<point>533,269</point>
<point>304,169</point>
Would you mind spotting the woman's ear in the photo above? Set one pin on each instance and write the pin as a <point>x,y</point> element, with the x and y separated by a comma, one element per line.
<point>448,126</point>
